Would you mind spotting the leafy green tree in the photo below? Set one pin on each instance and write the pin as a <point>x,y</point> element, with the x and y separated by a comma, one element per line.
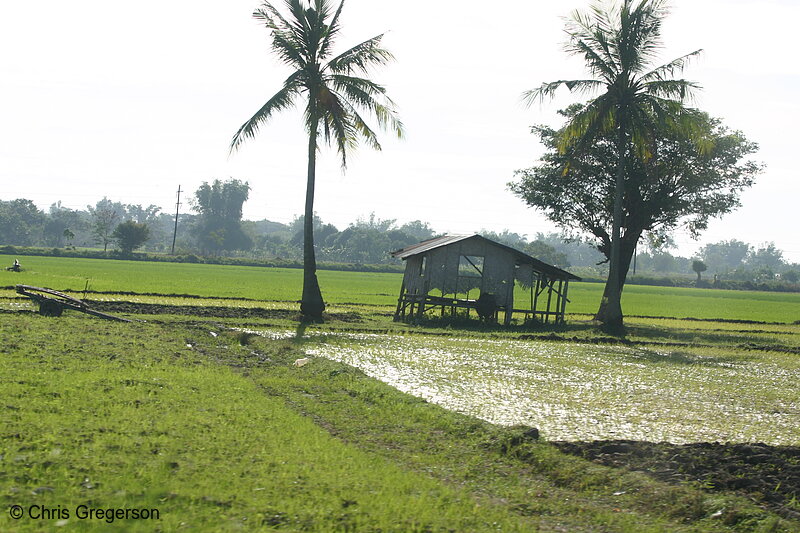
<point>322,232</point>
<point>792,276</point>
<point>143,215</point>
<point>105,215</point>
<point>61,225</point>
<point>577,250</point>
<point>637,104</point>
<point>699,267</point>
<point>21,222</point>
<point>507,237</point>
<point>678,185</point>
<point>219,226</point>
<point>724,256</point>
<point>130,235</point>
<point>767,256</point>
<point>335,94</point>
<point>664,262</point>
<point>418,229</point>
<point>544,252</point>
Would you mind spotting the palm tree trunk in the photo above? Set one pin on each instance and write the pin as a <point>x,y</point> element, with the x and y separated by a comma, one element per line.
<point>610,311</point>
<point>311,305</point>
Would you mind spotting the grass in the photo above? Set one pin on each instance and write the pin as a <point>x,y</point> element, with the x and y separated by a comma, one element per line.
<point>155,423</point>
<point>381,289</point>
<point>219,281</point>
<point>221,432</point>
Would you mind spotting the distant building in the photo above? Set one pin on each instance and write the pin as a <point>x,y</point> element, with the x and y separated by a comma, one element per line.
<point>472,272</point>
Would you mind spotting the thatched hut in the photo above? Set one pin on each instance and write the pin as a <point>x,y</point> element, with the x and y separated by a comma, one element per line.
<point>472,272</point>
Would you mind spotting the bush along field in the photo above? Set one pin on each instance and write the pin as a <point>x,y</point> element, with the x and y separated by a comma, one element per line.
<point>224,415</point>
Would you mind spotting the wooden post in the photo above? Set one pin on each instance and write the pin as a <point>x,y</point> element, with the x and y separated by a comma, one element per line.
<point>549,297</point>
<point>509,302</point>
<point>400,306</point>
<point>564,301</point>
<point>558,301</point>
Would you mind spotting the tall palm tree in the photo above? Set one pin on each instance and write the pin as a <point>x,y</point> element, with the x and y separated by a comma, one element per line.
<point>618,43</point>
<point>335,92</point>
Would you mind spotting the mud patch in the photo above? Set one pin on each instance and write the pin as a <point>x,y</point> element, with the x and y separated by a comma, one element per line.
<point>769,475</point>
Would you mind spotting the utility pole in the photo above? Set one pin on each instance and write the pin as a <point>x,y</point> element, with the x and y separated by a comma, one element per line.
<point>177,210</point>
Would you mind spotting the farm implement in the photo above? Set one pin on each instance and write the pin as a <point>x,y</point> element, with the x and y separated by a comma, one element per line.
<point>53,303</point>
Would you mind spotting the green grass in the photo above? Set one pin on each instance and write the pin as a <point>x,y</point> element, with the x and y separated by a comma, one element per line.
<point>217,435</point>
<point>259,283</point>
<point>133,417</point>
<point>677,302</point>
<point>279,284</point>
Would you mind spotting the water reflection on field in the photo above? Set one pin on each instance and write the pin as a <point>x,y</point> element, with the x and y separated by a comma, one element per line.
<point>578,392</point>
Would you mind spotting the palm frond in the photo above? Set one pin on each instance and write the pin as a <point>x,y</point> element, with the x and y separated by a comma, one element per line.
<point>361,127</point>
<point>316,23</point>
<point>596,118</point>
<point>281,100</point>
<point>302,29</point>
<point>606,67</point>
<point>548,90</point>
<point>680,90</point>
<point>337,124</point>
<point>331,33</point>
<point>370,96</point>
<point>589,38</point>
<point>360,57</point>
<point>665,71</point>
<point>286,43</point>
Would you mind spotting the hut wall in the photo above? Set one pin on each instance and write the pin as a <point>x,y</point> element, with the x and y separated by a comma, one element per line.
<point>442,271</point>
<point>414,277</point>
<point>498,276</point>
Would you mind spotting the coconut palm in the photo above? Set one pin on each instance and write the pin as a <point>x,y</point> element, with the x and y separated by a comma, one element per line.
<point>335,93</point>
<point>618,43</point>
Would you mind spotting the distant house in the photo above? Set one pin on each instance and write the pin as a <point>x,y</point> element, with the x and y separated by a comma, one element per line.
<point>455,272</point>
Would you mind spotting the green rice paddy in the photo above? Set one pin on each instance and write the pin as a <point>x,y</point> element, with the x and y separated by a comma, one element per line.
<point>381,289</point>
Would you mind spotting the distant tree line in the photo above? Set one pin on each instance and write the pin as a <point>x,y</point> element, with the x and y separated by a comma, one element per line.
<point>215,229</point>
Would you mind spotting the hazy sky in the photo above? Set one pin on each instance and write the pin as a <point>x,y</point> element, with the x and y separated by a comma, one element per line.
<point>131,99</point>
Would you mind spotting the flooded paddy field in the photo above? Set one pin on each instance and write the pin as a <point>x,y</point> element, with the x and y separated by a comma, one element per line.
<point>580,392</point>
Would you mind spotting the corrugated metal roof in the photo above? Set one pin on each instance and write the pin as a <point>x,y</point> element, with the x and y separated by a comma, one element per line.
<point>430,244</point>
<point>446,240</point>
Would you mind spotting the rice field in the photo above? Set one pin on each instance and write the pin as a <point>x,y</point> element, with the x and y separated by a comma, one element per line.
<point>675,382</point>
<point>376,289</point>
<point>580,392</point>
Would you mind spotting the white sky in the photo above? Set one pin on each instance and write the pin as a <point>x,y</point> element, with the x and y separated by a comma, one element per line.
<point>131,99</point>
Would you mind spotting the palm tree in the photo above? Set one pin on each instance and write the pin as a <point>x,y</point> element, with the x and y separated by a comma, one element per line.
<point>335,93</point>
<point>618,43</point>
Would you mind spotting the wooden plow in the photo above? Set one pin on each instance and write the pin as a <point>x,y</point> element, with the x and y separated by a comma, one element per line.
<point>53,303</point>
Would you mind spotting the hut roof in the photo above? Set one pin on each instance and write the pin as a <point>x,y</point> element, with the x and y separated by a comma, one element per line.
<point>522,258</point>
